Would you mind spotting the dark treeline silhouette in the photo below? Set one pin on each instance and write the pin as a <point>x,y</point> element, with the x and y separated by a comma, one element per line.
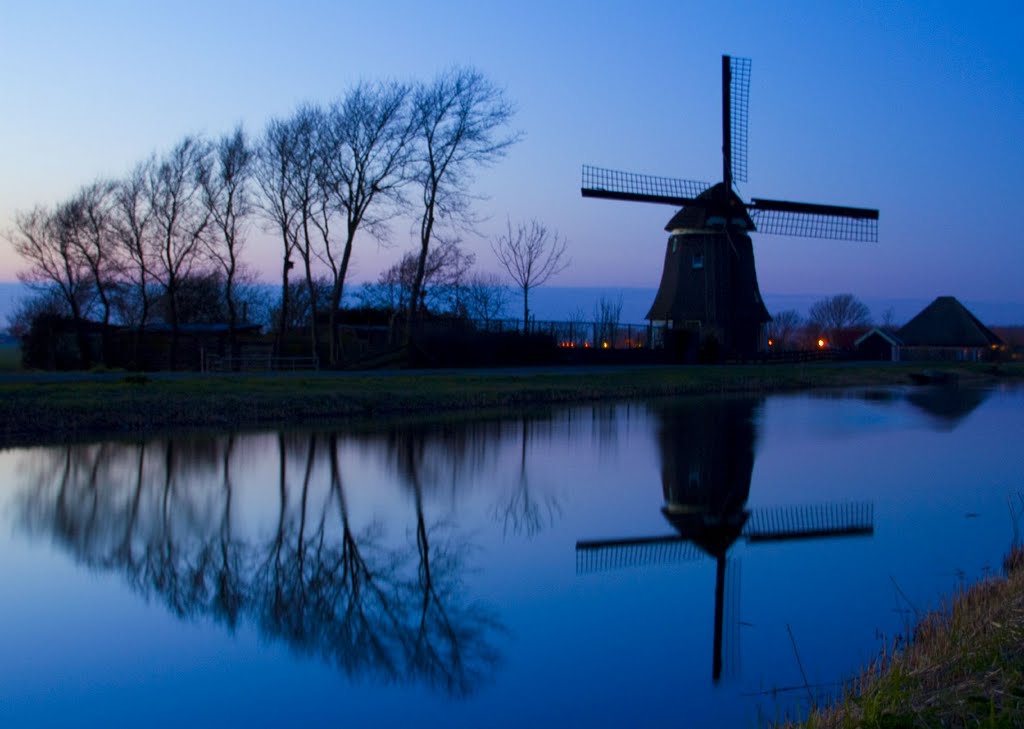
<point>127,251</point>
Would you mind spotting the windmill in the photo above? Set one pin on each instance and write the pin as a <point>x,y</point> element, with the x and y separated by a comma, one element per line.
<point>708,294</point>
<point>707,460</point>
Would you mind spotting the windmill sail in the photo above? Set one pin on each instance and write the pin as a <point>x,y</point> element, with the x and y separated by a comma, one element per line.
<point>735,120</point>
<point>789,523</point>
<point>810,522</point>
<point>615,185</point>
<point>597,555</point>
<point>808,220</point>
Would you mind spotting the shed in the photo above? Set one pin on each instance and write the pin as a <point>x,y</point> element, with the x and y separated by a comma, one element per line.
<point>878,345</point>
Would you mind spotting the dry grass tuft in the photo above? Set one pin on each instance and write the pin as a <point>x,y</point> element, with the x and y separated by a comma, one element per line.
<point>963,666</point>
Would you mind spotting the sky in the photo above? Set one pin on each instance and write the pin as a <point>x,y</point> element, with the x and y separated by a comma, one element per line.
<point>915,108</point>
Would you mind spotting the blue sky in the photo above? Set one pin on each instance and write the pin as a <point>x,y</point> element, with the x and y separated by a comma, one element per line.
<point>914,108</point>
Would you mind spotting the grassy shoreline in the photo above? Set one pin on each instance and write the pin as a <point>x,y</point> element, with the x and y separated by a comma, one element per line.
<point>57,411</point>
<point>962,667</point>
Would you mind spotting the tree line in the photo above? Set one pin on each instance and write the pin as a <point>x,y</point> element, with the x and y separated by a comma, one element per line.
<point>143,247</point>
<point>825,318</point>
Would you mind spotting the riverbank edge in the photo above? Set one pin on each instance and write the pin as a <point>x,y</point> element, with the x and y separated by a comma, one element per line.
<point>963,666</point>
<point>133,405</point>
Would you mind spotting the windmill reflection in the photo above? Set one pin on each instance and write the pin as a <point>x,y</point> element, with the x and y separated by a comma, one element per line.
<point>707,451</point>
<point>163,515</point>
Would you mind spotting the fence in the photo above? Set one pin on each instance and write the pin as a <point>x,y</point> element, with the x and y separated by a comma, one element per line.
<point>581,334</point>
<point>258,363</point>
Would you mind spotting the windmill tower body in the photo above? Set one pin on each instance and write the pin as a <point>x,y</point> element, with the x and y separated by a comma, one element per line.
<point>708,294</point>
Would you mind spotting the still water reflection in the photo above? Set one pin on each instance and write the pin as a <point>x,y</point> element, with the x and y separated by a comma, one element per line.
<point>574,566</point>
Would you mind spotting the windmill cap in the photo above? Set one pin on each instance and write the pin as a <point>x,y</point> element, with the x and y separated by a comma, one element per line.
<point>714,217</point>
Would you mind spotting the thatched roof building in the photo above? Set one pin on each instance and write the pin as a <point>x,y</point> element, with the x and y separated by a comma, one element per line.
<point>946,329</point>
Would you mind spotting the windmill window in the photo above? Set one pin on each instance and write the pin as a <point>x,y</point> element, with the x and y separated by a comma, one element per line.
<point>675,244</point>
<point>698,261</point>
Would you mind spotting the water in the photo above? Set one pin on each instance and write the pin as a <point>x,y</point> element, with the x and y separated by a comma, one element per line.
<point>565,568</point>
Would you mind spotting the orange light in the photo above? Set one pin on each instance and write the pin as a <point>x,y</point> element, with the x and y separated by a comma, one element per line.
<point>771,342</point>
<point>604,345</point>
<point>821,344</point>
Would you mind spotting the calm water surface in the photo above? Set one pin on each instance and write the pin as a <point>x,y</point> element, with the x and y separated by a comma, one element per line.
<point>695,563</point>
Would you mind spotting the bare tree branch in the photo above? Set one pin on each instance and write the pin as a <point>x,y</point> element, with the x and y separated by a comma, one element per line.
<point>531,254</point>
<point>275,157</point>
<point>180,221</point>
<point>838,312</point>
<point>459,120</point>
<point>225,178</point>
<point>365,149</point>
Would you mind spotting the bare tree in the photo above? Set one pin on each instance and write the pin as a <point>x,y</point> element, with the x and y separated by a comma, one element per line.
<point>42,303</point>
<point>299,309</point>
<point>442,286</point>
<point>842,311</point>
<point>55,263</point>
<point>888,321</point>
<point>304,195</point>
<point>365,147</point>
<point>578,326</point>
<point>179,222</point>
<point>132,223</point>
<point>784,328</point>
<point>459,121</point>
<point>275,158</point>
<point>225,178</point>
<point>531,254</point>
<point>607,315</point>
<point>87,222</point>
<point>485,297</point>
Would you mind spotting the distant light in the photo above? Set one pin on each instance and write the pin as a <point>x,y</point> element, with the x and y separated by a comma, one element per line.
<point>604,345</point>
<point>771,342</point>
<point>821,344</point>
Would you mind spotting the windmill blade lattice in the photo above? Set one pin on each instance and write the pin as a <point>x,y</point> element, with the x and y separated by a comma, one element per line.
<point>601,182</point>
<point>814,225</point>
<point>611,554</point>
<point>810,522</point>
<point>739,96</point>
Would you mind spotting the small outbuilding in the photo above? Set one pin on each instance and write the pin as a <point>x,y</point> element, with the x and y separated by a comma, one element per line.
<point>878,345</point>
<point>946,330</point>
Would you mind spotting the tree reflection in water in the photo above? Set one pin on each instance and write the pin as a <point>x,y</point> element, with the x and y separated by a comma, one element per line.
<point>162,514</point>
<point>522,510</point>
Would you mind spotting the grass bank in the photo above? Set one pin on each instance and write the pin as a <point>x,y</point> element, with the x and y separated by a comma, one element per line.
<point>49,411</point>
<point>963,667</point>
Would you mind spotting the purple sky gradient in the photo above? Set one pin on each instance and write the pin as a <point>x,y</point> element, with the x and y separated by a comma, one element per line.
<point>915,108</point>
